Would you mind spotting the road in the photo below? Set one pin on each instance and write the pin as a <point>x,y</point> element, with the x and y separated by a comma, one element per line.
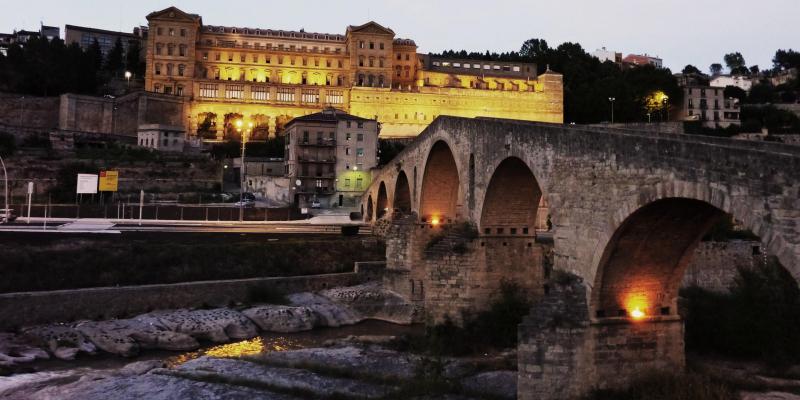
<point>317,225</point>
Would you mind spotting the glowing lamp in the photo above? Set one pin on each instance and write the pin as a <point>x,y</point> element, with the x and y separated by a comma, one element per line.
<point>435,221</point>
<point>637,313</point>
<point>238,123</point>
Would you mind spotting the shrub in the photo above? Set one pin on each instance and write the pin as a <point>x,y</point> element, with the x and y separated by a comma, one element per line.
<point>757,320</point>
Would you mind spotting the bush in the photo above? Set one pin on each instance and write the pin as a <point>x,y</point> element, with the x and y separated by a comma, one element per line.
<point>757,320</point>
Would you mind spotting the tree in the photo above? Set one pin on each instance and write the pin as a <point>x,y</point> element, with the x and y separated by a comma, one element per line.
<point>95,55</point>
<point>754,70</point>
<point>114,58</point>
<point>786,59</point>
<point>736,64</point>
<point>690,69</point>
<point>761,93</point>
<point>735,92</point>
<point>133,62</point>
<point>715,68</point>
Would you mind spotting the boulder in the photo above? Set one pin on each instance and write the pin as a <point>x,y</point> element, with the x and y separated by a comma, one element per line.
<point>329,313</point>
<point>62,341</point>
<point>15,349</point>
<point>116,336</point>
<point>109,336</point>
<point>283,319</point>
<point>495,384</point>
<point>217,325</point>
<point>372,301</point>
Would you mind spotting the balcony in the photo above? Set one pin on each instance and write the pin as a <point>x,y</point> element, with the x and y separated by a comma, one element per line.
<point>318,142</point>
<point>324,175</point>
<point>315,190</point>
<point>318,160</point>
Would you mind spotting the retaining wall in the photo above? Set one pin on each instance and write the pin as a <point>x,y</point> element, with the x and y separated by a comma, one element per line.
<point>31,308</point>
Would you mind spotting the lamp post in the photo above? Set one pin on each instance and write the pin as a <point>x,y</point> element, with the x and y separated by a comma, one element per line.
<point>666,108</point>
<point>6,211</point>
<point>128,75</point>
<point>612,99</point>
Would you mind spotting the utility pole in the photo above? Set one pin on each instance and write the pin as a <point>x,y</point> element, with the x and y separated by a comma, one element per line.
<point>6,212</point>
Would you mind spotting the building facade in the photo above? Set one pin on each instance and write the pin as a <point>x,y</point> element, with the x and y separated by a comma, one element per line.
<point>270,76</point>
<point>741,82</point>
<point>330,156</point>
<point>85,36</point>
<point>608,55</point>
<point>643,59</point>
<point>709,105</point>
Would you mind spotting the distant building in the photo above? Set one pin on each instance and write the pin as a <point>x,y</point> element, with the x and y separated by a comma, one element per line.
<point>645,59</point>
<point>22,36</point>
<point>709,105</point>
<point>781,77</point>
<point>161,137</point>
<point>608,55</point>
<point>692,79</point>
<point>329,157</point>
<point>85,36</point>
<point>722,81</point>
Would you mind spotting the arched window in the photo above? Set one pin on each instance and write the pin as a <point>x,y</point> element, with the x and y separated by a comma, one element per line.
<point>339,81</point>
<point>360,79</point>
<point>399,70</point>
<point>170,49</point>
<point>361,61</point>
<point>372,61</point>
<point>380,62</point>
<point>371,80</point>
<point>380,80</point>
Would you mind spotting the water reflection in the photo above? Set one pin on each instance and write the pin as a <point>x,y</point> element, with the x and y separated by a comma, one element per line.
<point>248,347</point>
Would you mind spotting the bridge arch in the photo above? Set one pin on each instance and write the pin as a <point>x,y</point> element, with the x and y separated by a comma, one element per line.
<point>643,263</point>
<point>402,193</point>
<point>382,203</point>
<point>440,184</point>
<point>512,199</point>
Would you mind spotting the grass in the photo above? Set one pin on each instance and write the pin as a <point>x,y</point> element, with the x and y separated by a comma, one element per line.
<point>670,386</point>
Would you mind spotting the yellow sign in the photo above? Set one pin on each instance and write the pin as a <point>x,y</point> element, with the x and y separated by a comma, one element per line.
<point>108,181</point>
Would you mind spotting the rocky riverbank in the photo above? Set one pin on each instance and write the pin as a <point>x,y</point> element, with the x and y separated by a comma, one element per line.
<point>183,330</point>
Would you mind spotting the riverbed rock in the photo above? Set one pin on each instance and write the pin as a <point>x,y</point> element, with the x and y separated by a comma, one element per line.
<point>312,384</point>
<point>768,396</point>
<point>218,325</point>
<point>328,312</point>
<point>116,336</point>
<point>283,319</point>
<point>150,386</point>
<point>497,384</point>
<point>371,300</point>
<point>15,349</point>
<point>62,341</point>
<point>374,362</point>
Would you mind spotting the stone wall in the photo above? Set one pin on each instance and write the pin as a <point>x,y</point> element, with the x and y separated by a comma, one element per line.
<point>30,308</point>
<point>122,115</point>
<point>715,265</point>
<point>28,112</point>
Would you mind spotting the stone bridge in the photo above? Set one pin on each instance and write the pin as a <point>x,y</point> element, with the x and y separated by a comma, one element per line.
<point>597,224</point>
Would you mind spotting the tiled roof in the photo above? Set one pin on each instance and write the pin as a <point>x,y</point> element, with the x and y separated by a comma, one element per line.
<point>328,115</point>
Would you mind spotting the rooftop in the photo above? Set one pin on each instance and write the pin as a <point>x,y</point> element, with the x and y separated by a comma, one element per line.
<point>95,30</point>
<point>329,114</point>
<point>301,34</point>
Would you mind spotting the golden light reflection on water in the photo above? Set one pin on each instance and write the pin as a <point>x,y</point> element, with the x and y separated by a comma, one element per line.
<point>257,345</point>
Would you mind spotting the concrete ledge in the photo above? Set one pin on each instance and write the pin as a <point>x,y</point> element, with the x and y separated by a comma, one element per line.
<point>31,308</point>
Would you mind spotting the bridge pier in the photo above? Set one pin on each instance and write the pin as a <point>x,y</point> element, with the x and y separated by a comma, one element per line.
<point>562,353</point>
<point>450,272</point>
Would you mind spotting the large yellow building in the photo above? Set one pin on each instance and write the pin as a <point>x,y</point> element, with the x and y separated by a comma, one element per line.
<point>268,77</point>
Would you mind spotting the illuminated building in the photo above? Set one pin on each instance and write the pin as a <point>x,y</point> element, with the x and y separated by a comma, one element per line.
<point>329,157</point>
<point>271,76</point>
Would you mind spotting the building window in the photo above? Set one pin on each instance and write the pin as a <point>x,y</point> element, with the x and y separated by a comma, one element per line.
<point>260,93</point>
<point>158,69</point>
<point>360,137</point>
<point>183,32</point>
<point>205,56</point>
<point>159,31</point>
<point>347,182</point>
<point>347,151</point>
<point>208,90</point>
<point>217,56</point>
<point>347,136</point>
<point>181,69</point>
<point>172,31</point>
<point>340,63</point>
<point>334,97</point>
<point>170,49</point>
<point>179,90</point>
<point>360,152</point>
<point>182,50</point>
<point>359,183</point>
<point>360,44</point>
<point>157,88</point>
<point>234,91</point>
<point>310,96</point>
<point>159,46</point>
<point>285,95</point>
<point>360,125</point>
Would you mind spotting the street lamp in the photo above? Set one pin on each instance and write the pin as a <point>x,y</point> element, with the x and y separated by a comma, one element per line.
<point>242,170</point>
<point>666,108</point>
<point>128,75</point>
<point>612,99</point>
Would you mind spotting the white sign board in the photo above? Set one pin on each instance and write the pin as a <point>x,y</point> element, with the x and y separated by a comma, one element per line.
<point>30,187</point>
<point>304,211</point>
<point>87,183</point>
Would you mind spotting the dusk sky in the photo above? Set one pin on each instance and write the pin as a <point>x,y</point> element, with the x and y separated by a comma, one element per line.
<point>699,32</point>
